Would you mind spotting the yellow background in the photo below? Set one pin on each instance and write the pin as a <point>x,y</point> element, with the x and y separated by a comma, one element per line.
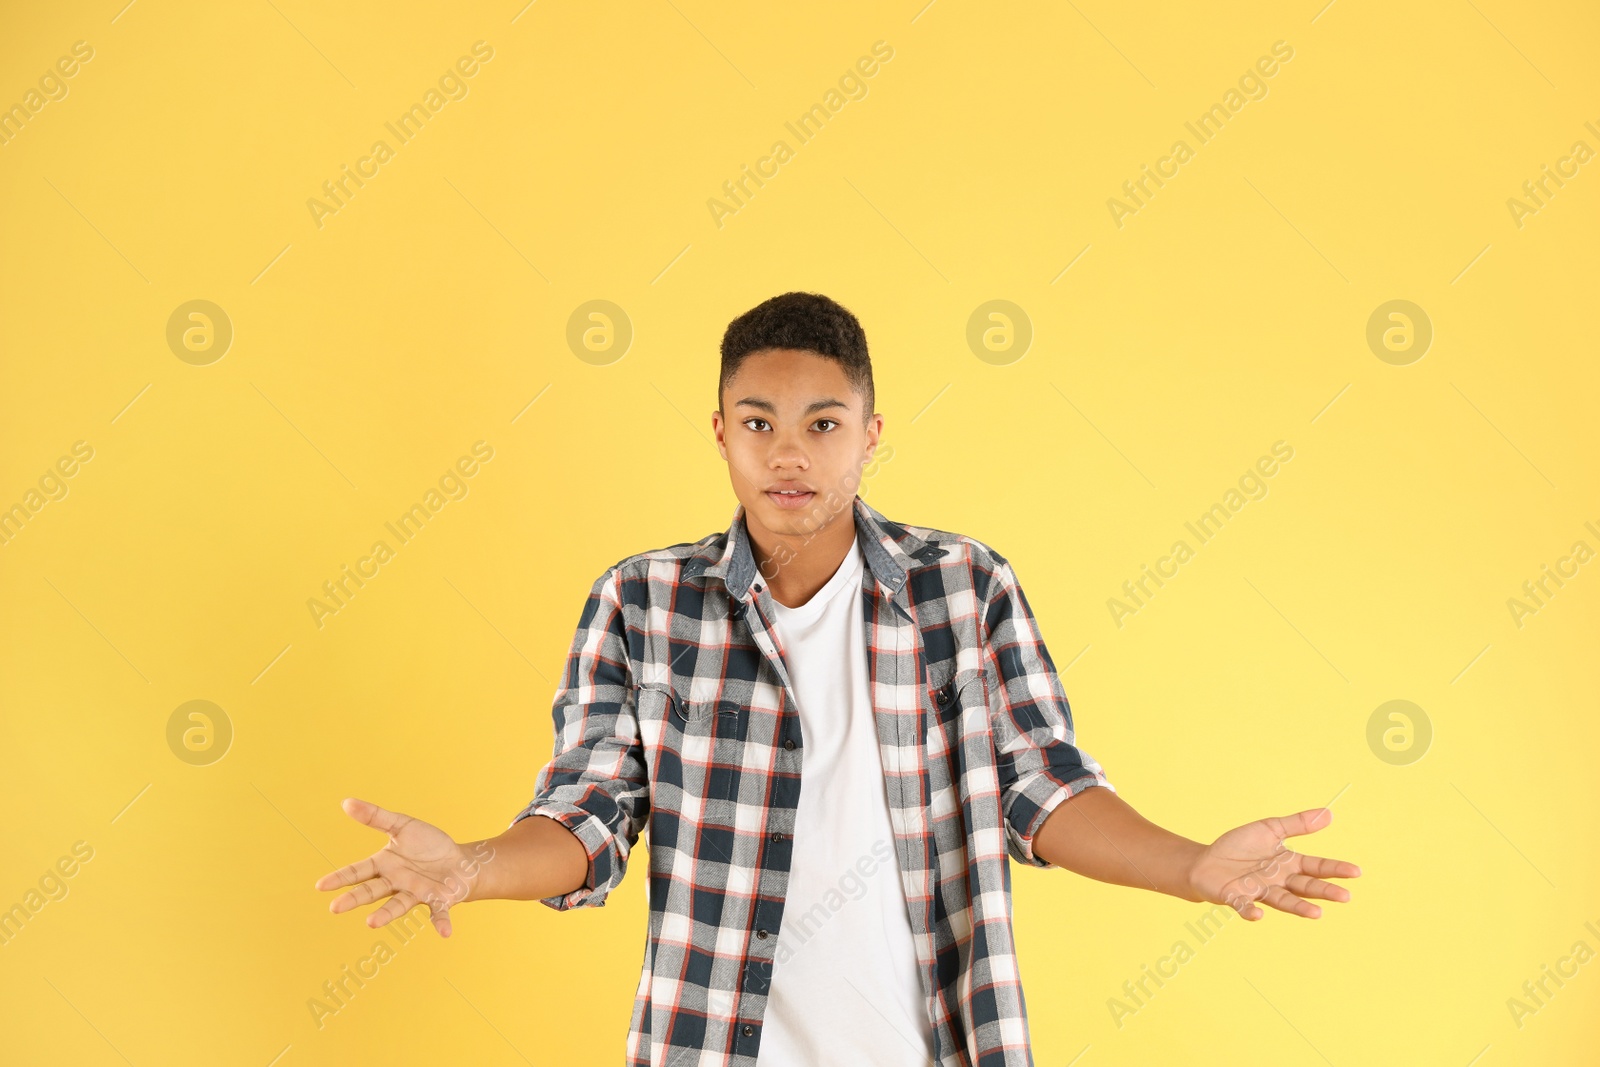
<point>369,353</point>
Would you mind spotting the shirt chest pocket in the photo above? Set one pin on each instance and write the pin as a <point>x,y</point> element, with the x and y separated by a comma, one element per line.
<point>692,748</point>
<point>950,690</point>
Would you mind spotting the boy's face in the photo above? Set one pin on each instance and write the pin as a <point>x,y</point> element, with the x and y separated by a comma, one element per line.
<point>791,420</point>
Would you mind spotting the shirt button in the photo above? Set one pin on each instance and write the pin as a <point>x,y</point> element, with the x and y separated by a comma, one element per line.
<point>777,836</point>
<point>748,1030</point>
<point>789,743</point>
<point>762,934</point>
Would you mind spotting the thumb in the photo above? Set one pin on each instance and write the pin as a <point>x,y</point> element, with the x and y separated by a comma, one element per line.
<point>366,812</point>
<point>1305,822</point>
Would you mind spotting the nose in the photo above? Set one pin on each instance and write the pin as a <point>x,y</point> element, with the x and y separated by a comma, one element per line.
<point>787,455</point>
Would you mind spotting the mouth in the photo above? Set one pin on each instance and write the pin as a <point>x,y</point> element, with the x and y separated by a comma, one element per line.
<point>791,499</point>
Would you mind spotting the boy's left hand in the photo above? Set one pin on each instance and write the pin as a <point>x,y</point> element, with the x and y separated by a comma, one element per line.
<point>1251,863</point>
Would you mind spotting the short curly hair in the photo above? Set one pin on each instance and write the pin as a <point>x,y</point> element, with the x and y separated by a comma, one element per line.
<point>810,322</point>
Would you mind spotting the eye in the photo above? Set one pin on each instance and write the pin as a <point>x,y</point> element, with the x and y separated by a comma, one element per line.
<point>754,418</point>
<point>834,421</point>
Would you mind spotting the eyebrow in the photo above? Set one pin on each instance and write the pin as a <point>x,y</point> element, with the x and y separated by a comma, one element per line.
<point>812,408</point>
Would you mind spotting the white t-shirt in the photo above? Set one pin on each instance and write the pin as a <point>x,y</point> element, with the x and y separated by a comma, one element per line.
<point>845,988</point>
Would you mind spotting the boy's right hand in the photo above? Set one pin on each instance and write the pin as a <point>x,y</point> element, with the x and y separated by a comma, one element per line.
<point>421,864</point>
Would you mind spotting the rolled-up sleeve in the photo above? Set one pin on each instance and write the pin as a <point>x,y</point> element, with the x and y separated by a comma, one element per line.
<point>1038,760</point>
<point>596,784</point>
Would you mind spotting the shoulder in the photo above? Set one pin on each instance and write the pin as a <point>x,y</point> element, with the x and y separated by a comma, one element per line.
<point>665,564</point>
<point>953,552</point>
<point>957,547</point>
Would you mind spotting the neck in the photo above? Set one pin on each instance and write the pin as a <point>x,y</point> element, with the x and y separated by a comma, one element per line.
<point>795,565</point>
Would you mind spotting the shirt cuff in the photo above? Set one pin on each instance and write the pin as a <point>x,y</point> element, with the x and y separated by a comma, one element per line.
<point>596,839</point>
<point>1044,793</point>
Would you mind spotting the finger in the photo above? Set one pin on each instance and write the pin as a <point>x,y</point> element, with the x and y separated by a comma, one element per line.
<point>396,906</point>
<point>364,811</point>
<point>365,893</point>
<point>1306,886</point>
<point>1323,867</point>
<point>359,871</point>
<point>1302,822</point>
<point>1241,897</point>
<point>440,914</point>
<point>1280,898</point>
<point>1246,907</point>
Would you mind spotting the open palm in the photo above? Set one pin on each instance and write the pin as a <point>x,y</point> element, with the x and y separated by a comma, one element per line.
<point>421,864</point>
<point>1251,863</point>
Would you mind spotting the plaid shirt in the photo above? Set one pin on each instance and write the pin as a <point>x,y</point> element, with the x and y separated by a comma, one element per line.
<point>675,714</point>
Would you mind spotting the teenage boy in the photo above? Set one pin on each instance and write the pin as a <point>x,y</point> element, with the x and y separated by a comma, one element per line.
<point>837,729</point>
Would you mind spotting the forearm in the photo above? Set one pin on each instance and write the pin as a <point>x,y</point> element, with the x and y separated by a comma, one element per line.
<point>1098,835</point>
<point>537,857</point>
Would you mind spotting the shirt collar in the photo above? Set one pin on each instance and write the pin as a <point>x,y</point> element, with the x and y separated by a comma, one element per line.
<point>889,549</point>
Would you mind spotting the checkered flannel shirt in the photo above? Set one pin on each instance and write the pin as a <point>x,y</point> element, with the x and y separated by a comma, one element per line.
<point>675,715</point>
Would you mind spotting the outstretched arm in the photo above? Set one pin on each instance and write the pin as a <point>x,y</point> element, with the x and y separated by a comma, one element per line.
<point>421,864</point>
<point>570,845</point>
<point>1098,834</point>
<point>1062,810</point>
<point>533,859</point>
